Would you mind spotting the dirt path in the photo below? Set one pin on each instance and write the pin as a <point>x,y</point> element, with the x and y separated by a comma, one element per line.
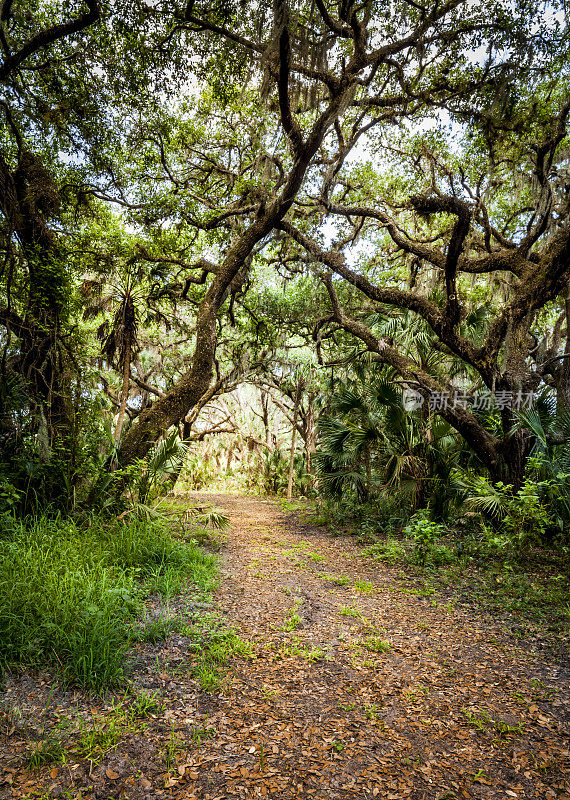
<point>357,687</point>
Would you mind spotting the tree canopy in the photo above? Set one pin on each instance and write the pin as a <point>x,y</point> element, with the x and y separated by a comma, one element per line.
<point>198,195</point>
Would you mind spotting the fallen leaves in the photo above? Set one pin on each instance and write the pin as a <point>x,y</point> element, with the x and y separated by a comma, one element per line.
<point>363,724</point>
<point>111,774</point>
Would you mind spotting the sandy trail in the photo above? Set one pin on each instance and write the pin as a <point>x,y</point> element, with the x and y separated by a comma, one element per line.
<point>361,688</point>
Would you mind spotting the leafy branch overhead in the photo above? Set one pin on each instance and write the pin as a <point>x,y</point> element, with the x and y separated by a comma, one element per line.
<point>359,159</point>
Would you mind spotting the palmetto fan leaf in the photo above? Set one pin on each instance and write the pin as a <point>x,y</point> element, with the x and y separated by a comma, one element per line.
<point>403,465</point>
<point>488,504</point>
<point>348,402</point>
<point>550,427</point>
<point>164,462</point>
<point>167,457</point>
<point>384,394</point>
<point>369,441</point>
<point>334,483</point>
<point>532,420</point>
<point>333,435</point>
<point>476,323</point>
<point>94,309</point>
<point>478,495</point>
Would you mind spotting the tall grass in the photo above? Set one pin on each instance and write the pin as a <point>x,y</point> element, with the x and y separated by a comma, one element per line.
<point>69,595</point>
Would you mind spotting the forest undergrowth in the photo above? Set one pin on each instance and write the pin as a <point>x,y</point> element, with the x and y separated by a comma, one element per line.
<point>72,593</point>
<point>333,658</point>
<point>529,587</point>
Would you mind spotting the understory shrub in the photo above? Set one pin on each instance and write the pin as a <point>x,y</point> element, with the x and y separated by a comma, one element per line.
<point>424,534</point>
<point>69,595</point>
<point>513,520</point>
<point>379,516</point>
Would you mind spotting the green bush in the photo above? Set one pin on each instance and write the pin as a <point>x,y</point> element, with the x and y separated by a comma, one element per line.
<point>515,519</point>
<point>424,534</point>
<point>70,595</point>
<point>440,555</point>
<point>275,475</point>
<point>390,551</point>
<point>197,473</point>
<point>379,516</point>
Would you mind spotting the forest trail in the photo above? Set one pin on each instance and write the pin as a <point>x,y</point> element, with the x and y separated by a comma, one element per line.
<point>358,686</point>
<point>407,696</point>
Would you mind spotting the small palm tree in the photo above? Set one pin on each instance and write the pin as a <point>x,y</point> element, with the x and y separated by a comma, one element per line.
<point>550,457</point>
<point>369,442</point>
<point>348,435</point>
<point>120,346</point>
<point>118,336</point>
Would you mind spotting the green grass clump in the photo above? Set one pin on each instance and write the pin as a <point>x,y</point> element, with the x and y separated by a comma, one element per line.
<point>74,738</point>
<point>158,630</point>
<point>69,595</point>
<point>348,611</point>
<point>364,586</point>
<point>44,752</point>
<point>338,580</point>
<point>390,550</point>
<point>214,645</point>
<point>293,620</point>
<point>376,644</point>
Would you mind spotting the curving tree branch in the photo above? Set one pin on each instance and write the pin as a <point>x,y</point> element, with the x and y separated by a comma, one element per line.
<point>43,39</point>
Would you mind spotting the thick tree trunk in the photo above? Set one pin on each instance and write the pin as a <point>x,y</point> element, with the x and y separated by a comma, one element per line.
<point>298,395</point>
<point>28,197</point>
<point>562,374</point>
<point>515,450</point>
<point>172,408</point>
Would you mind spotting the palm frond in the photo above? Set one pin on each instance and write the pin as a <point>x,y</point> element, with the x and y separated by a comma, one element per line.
<point>168,456</point>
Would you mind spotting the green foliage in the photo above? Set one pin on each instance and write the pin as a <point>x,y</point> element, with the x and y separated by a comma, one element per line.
<point>376,518</point>
<point>276,472</point>
<point>375,644</point>
<point>197,473</point>
<point>73,738</point>
<point>69,593</point>
<point>390,550</point>
<point>160,468</point>
<point>549,463</point>
<point>44,752</point>
<point>482,719</point>
<point>349,611</point>
<point>424,534</point>
<point>526,518</point>
<point>370,445</point>
<point>215,644</point>
<point>33,474</point>
<point>377,463</point>
<point>213,518</point>
<point>293,620</point>
<point>516,519</point>
<point>145,703</point>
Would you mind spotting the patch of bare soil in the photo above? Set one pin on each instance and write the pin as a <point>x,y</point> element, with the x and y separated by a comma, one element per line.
<point>356,688</point>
